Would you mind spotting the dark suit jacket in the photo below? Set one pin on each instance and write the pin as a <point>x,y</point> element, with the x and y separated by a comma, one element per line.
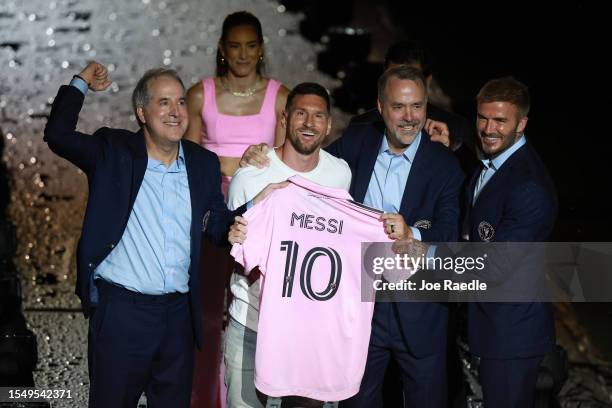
<point>520,204</point>
<point>115,161</point>
<point>432,195</point>
<point>461,130</point>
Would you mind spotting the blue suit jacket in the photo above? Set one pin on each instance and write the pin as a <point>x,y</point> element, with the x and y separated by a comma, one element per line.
<point>520,205</point>
<point>433,194</point>
<point>115,161</point>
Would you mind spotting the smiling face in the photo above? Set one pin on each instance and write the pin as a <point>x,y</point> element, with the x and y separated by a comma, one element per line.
<point>242,50</point>
<point>307,123</point>
<point>164,117</point>
<point>403,108</point>
<point>499,126</point>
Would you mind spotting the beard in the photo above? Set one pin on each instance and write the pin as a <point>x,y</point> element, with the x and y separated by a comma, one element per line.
<point>300,147</point>
<point>405,137</point>
<point>505,140</point>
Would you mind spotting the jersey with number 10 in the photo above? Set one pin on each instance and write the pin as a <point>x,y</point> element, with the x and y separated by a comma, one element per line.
<point>313,330</point>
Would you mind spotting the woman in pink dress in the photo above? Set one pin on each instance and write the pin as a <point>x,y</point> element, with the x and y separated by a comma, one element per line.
<point>236,108</point>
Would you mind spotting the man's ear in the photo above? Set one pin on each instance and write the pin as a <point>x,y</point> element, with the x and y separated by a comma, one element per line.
<point>141,115</point>
<point>522,125</point>
<point>284,119</point>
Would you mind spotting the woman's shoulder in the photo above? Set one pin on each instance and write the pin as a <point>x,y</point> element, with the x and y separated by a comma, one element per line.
<point>281,94</point>
<point>196,91</point>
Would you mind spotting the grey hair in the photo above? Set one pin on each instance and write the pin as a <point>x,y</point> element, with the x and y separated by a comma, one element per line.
<point>140,96</point>
<point>401,72</point>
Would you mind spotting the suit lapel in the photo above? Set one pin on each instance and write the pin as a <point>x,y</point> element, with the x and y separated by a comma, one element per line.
<point>500,175</point>
<point>472,186</point>
<point>139,164</point>
<point>417,178</point>
<point>195,192</point>
<point>368,155</point>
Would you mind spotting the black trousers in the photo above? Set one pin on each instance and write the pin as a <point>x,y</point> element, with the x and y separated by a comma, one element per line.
<point>140,343</point>
<point>424,380</point>
<point>509,383</point>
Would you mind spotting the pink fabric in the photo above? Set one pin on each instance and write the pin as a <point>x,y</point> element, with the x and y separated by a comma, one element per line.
<point>230,135</point>
<point>313,342</point>
<point>225,182</point>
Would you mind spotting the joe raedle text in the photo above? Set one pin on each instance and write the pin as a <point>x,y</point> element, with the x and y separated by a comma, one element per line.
<point>446,285</point>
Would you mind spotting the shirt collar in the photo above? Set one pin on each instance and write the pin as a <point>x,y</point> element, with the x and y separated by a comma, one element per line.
<point>497,162</point>
<point>177,165</point>
<point>409,153</point>
<point>317,188</point>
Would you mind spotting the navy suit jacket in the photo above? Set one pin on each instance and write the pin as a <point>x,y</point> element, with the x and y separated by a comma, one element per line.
<point>520,205</point>
<point>432,196</point>
<point>115,161</point>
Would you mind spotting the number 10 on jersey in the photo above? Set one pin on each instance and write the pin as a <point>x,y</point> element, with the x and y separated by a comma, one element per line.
<point>308,262</point>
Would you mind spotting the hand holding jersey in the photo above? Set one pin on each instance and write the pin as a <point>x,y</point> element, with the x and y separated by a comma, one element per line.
<point>238,230</point>
<point>310,234</point>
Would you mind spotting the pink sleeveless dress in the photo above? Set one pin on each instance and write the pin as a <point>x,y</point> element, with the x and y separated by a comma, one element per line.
<point>230,135</point>
<point>227,136</point>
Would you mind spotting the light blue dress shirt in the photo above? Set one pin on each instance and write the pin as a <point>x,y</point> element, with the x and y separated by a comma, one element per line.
<point>154,253</point>
<point>491,166</point>
<point>79,84</point>
<point>389,178</point>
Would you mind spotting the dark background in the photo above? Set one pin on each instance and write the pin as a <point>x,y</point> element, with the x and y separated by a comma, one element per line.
<point>561,51</point>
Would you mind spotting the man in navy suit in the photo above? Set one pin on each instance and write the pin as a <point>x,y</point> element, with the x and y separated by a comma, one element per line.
<point>138,256</point>
<point>511,199</point>
<point>416,182</point>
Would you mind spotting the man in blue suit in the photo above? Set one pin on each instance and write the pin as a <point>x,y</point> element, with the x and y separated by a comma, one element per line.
<point>511,199</point>
<point>138,256</point>
<point>416,182</point>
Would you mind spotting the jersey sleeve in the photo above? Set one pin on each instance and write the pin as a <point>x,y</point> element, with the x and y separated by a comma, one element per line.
<point>256,247</point>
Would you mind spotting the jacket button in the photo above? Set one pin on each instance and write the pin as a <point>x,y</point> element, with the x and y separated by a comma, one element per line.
<point>91,265</point>
<point>111,246</point>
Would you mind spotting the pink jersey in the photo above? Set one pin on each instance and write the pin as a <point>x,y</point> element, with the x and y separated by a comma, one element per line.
<point>313,330</point>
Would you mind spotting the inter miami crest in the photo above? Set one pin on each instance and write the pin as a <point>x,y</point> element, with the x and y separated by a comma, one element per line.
<point>486,231</point>
<point>425,224</point>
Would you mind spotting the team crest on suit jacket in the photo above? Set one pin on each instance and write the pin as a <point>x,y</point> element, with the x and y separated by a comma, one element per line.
<point>486,231</point>
<point>425,224</point>
<point>205,220</point>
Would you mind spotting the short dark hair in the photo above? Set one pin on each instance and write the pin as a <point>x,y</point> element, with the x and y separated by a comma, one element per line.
<point>506,89</point>
<point>401,72</point>
<point>308,88</point>
<point>408,52</point>
<point>140,96</point>
<point>236,19</point>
